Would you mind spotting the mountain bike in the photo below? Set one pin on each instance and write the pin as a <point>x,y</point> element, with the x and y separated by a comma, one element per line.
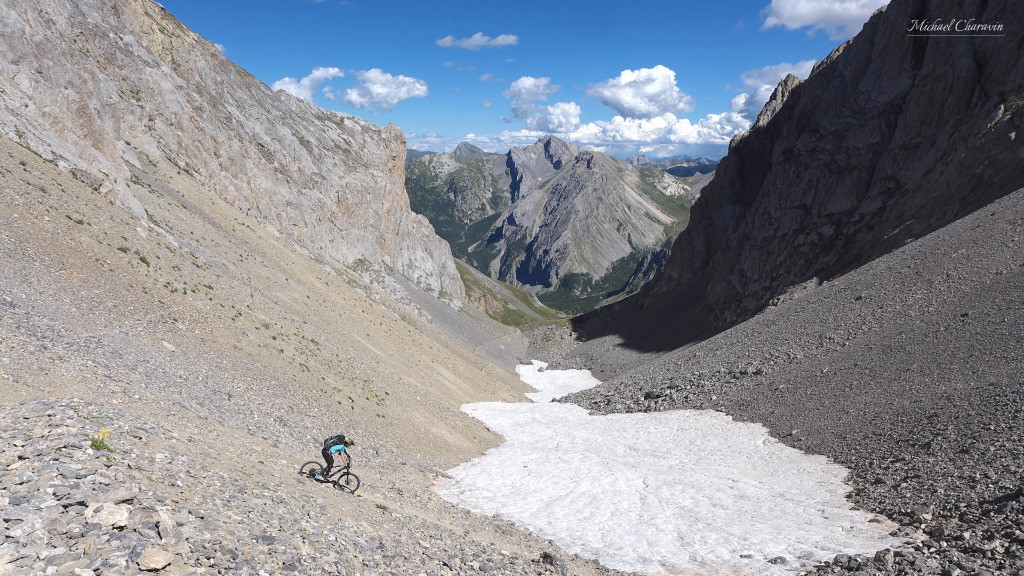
<point>341,475</point>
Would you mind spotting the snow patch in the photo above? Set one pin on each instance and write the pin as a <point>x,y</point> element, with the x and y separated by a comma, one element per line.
<point>551,384</point>
<point>675,492</point>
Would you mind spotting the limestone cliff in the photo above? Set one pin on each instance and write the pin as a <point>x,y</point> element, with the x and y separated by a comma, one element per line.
<point>890,138</point>
<point>120,91</point>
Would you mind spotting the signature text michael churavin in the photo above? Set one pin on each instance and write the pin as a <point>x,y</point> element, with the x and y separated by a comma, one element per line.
<point>954,27</point>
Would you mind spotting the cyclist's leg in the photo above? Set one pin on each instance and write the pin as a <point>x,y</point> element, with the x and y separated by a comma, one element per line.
<point>329,458</point>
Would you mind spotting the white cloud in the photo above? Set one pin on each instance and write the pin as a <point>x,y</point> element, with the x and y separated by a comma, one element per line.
<point>559,118</point>
<point>485,77</point>
<point>426,141</point>
<point>505,140</point>
<point>643,93</point>
<point>668,133</point>
<point>774,74</point>
<point>529,88</point>
<point>662,134</point>
<point>306,87</point>
<point>220,48</point>
<point>486,103</point>
<point>841,19</point>
<point>478,41</point>
<point>380,90</point>
<point>761,83</point>
<point>527,93</point>
<point>666,129</point>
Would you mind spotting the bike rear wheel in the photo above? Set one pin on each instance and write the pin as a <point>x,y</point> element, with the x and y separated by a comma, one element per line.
<point>311,469</point>
<point>347,482</point>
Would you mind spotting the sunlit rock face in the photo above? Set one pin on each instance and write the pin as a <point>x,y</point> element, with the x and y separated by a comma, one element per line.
<point>126,94</point>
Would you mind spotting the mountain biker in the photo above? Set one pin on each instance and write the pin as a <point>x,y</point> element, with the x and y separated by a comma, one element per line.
<point>336,443</point>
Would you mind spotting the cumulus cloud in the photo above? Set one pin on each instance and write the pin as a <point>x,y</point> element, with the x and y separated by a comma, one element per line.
<point>380,90</point>
<point>306,87</point>
<point>529,88</point>
<point>643,93</point>
<point>478,41</point>
<point>528,93</point>
<point>650,118</point>
<point>662,135</point>
<point>841,19</point>
<point>774,74</point>
<point>505,140</point>
<point>558,118</point>
<point>666,129</point>
<point>427,141</point>
<point>760,84</point>
<point>668,133</point>
<point>525,92</point>
<point>220,48</point>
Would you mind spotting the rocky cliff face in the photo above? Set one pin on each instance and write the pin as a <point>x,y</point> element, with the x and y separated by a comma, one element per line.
<point>890,138</point>
<point>121,91</point>
<point>455,189</point>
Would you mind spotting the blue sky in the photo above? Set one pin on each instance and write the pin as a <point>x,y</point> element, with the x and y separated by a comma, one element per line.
<point>661,77</point>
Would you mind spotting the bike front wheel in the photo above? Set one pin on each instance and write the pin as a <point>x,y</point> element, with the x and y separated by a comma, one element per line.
<point>347,482</point>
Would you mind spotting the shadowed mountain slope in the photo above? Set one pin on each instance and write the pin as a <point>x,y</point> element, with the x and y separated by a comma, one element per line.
<point>890,138</point>
<point>907,371</point>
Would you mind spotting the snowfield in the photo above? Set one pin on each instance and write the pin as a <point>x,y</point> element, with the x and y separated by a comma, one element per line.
<point>664,493</point>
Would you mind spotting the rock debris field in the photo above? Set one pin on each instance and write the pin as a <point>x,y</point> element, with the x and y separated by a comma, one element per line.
<point>906,371</point>
<point>68,509</point>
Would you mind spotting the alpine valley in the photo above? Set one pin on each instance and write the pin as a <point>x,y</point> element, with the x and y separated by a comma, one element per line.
<point>803,358</point>
<point>575,227</point>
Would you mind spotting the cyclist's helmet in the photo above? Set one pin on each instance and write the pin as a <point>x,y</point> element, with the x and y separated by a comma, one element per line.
<point>349,441</point>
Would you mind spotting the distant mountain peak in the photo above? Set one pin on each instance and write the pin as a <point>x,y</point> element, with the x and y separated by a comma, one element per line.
<point>639,160</point>
<point>465,151</point>
<point>574,226</point>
